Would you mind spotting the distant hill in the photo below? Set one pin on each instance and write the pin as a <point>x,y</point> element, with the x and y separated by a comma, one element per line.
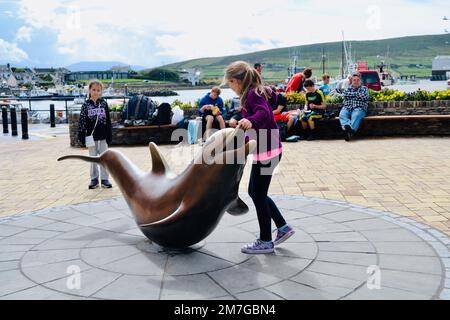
<point>408,56</point>
<point>99,66</point>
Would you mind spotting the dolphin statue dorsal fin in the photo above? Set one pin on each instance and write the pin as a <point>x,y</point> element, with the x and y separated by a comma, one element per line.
<point>159,164</point>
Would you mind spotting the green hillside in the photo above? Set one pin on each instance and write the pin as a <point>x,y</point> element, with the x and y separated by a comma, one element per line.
<point>407,55</point>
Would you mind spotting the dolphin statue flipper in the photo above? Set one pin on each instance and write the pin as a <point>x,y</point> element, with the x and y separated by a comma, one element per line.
<point>177,211</point>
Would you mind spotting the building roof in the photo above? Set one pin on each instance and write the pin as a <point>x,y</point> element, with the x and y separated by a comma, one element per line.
<point>441,63</point>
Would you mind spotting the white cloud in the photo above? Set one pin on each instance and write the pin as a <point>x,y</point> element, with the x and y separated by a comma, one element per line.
<point>150,32</point>
<point>10,52</point>
<point>24,34</point>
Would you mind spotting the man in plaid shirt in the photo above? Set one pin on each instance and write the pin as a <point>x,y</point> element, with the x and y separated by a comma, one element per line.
<point>354,107</point>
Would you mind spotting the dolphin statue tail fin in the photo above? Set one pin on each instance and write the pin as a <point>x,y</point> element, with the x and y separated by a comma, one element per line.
<point>83,158</point>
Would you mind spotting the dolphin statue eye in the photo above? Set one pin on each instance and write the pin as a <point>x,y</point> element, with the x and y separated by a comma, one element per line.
<point>178,211</point>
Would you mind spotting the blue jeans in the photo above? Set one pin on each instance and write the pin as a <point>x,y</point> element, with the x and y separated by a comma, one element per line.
<point>352,118</point>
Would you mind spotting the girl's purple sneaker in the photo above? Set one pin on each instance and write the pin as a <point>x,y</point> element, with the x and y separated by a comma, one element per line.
<point>258,247</point>
<point>284,234</point>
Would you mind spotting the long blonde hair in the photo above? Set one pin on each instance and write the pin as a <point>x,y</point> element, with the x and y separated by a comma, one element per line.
<point>249,78</point>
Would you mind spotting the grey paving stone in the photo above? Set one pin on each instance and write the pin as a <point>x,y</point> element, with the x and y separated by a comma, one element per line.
<point>39,293</point>
<point>133,231</point>
<point>321,209</point>
<point>291,290</point>
<point>62,214</point>
<point>141,264</point>
<point>84,220</point>
<point>300,236</point>
<point>7,230</point>
<point>29,222</point>
<point>441,249</point>
<point>21,241</point>
<point>194,263</point>
<point>259,294</point>
<point>109,216</point>
<point>132,288</point>
<point>193,287</point>
<point>429,265</point>
<point>38,234</point>
<point>370,224</point>
<point>57,244</point>
<point>445,294</point>
<point>41,258</point>
<point>13,281</point>
<point>116,240</point>
<point>290,215</point>
<point>293,204</point>
<point>119,204</point>
<point>423,284</point>
<point>306,250</point>
<point>319,281</point>
<point>117,225</point>
<point>9,265</point>
<point>405,248</point>
<point>384,294</point>
<point>355,258</point>
<point>310,221</point>
<point>99,257</point>
<point>281,267</point>
<point>227,235</point>
<point>339,237</point>
<point>324,228</point>
<point>352,246</point>
<point>94,208</point>
<point>59,226</point>
<point>346,216</point>
<point>49,272</point>
<point>238,279</point>
<point>347,271</point>
<point>86,233</point>
<point>226,251</point>
<point>391,235</point>
<point>10,256</point>
<point>91,281</point>
<point>225,298</point>
<point>4,248</point>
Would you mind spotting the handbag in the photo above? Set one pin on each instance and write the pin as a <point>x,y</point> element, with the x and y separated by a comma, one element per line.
<point>90,143</point>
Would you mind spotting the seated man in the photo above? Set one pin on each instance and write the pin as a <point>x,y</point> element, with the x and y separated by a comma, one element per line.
<point>315,106</point>
<point>354,107</point>
<point>235,112</point>
<point>211,109</point>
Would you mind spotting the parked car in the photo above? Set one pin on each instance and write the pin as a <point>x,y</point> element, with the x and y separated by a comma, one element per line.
<point>371,79</point>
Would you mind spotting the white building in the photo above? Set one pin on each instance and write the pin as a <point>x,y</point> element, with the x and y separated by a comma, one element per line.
<point>191,75</point>
<point>7,78</point>
<point>441,68</point>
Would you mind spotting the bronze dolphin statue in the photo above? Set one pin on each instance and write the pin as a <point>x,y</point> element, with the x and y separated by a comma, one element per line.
<point>180,211</point>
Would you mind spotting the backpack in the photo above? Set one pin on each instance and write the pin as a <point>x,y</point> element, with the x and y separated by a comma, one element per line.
<point>163,115</point>
<point>139,108</point>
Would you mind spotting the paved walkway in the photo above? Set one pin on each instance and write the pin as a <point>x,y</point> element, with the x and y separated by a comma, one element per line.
<point>407,176</point>
<point>333,255</point>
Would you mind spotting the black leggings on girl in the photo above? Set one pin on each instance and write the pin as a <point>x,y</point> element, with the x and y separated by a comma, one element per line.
<point>258,188</point>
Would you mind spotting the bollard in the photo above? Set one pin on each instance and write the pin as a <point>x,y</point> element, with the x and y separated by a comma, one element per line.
<point>5,119</point>
<point>67,113</point>
<point>24,121</point>
<point>52,116</point>
<point>14,122</point>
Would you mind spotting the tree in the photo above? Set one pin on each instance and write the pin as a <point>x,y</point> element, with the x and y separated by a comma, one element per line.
<point>160,74</point>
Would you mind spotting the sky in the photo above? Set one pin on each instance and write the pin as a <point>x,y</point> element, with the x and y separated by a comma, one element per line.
<point>49,33</point>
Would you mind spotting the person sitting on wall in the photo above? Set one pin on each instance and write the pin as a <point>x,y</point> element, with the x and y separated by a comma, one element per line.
<point>354,107</point>
<point>296,84</point>
<point>278,102</point>
<point>326,88</point>
<point>212,109</point>
<point>235,112</point>
<point>315,106</point>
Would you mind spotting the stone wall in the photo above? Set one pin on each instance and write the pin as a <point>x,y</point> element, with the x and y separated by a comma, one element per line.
<point>327,129</point>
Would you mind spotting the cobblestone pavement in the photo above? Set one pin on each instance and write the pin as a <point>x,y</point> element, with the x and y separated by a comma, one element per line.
<point>407,176</point>
<point>339,251</point>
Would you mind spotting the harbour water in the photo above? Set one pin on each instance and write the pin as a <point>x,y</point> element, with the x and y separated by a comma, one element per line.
<point>194,95</point>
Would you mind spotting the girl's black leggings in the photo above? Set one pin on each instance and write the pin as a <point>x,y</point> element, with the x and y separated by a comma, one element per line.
<point>266,209</point>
